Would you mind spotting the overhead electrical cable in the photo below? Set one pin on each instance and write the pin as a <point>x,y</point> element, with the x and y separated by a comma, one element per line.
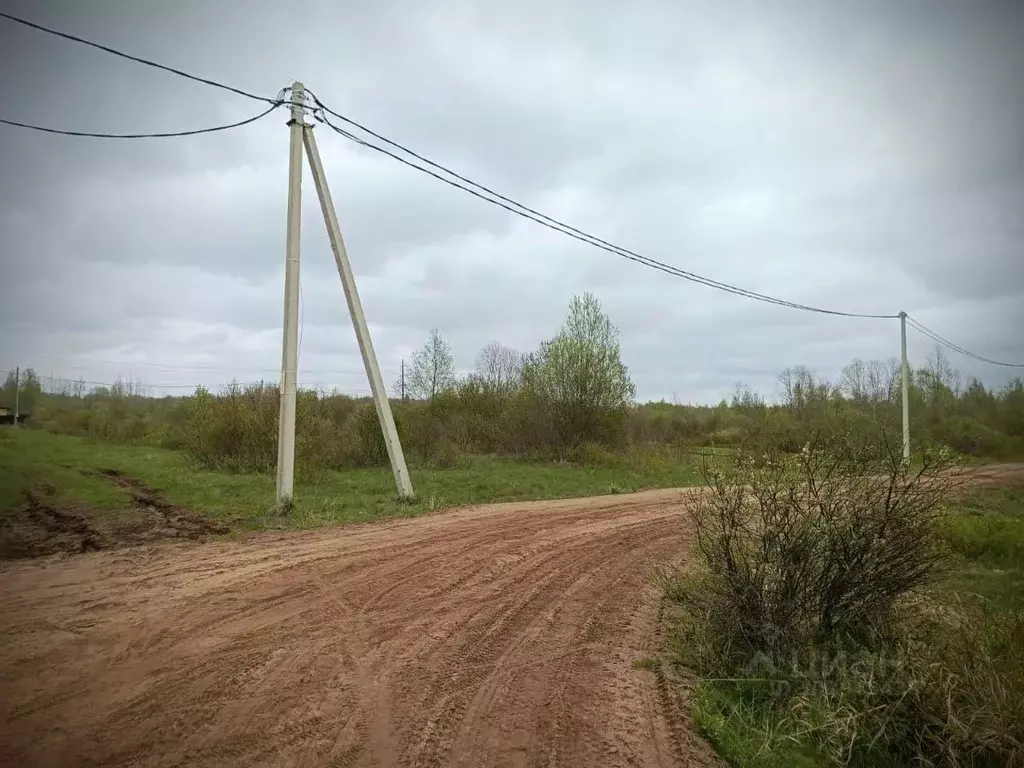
<point>956,347</point>
<point>130,381</point>
<point>137,59</point>
<point>484,193</point>
<point>450,177</point>
<point>79,364</point>
<point>170,135</point>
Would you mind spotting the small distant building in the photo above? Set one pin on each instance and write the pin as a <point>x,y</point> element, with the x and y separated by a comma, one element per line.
<point>7,415</point>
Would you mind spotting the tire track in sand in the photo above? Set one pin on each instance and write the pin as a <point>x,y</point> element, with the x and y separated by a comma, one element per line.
<point>485,636</point>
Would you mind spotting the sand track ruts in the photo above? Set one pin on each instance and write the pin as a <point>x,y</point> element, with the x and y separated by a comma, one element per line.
<point>496,635</point>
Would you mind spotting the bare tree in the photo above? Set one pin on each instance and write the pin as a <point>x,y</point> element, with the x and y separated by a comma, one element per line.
<point>940,374</point>
<point>875,381</point>
<point>499,367</point>
<point>129,387</point>
<point>744,397</point>
<point>854,381</point>
<point>883,380</point>
<point>433,368</point>
<point>801,387</point>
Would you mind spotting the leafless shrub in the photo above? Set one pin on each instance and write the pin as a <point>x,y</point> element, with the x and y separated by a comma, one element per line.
<point>821,544</point>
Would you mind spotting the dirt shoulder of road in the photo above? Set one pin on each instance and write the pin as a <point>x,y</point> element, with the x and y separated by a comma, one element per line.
<point>502,635</point>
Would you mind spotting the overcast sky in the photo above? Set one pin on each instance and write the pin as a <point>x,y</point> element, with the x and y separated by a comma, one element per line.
<point>864,156</point>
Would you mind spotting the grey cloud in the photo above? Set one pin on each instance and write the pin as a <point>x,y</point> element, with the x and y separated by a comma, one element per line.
<point>858,156</point>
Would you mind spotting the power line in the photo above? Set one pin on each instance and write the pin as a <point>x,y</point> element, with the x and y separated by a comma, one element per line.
<point>125,382</point>
<point>956,347</point>
<point>526,212</point>
<point>129,382</point>
<point>174,134</point>
<point>588,239</point>
<point>495,197</point>
<point>489,195</point>
<point>137,59</point>
<point>90,364</point>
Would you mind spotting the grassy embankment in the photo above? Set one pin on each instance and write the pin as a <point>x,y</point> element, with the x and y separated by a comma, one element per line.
<point>68,470</point>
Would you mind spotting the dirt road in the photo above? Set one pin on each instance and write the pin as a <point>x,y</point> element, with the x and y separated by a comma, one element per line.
<point>499,635</point>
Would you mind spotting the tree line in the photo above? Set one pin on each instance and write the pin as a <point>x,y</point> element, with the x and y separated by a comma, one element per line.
<point>555,403</point>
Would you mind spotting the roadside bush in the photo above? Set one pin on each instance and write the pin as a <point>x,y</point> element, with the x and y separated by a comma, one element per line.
<point>809,621</point>
<point>476,415</point>
<point>364,437</point>
<point>233,432</point>
<point>819,545</point>
<point>447,455</point>
<point>236,431</point>
<point>531,431</point>
<point>371,449</point>
<point>113,418</point>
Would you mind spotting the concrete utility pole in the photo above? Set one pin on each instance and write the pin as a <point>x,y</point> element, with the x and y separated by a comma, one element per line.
<point>348,282</point>
<point>17,394</point>
<point>905,366</point>
<point>290,345</point>
<point>403,379</point>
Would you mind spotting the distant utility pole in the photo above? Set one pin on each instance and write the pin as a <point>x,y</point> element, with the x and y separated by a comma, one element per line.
<point>905,366</point>
<point>302,134</point>
<point>17,394</point>
<point>403,379</point>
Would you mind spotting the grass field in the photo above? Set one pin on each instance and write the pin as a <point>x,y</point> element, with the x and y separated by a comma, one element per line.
<point>987,535</point>
<point>71,470</point>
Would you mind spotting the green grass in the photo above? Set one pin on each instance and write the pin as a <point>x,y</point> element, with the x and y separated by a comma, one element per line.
<point>997,500</point>
<point>29,463</point>
<point>986,534</point>
<point>30,458</point>
<point>744,731</point>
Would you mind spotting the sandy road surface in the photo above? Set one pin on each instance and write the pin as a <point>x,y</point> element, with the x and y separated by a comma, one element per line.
<point>499,635</point>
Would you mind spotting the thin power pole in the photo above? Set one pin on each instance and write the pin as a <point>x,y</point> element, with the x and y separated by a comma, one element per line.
<point>17,394</point>
<point>290,344</point>
<point>905,366</point>
<point>403,379</point>
<point>355,307</point>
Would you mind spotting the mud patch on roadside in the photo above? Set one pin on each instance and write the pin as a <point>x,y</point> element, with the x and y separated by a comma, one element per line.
<point>159,518</point>
<point>44,526</point>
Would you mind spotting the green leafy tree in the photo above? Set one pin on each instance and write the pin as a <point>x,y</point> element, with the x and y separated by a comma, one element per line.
<point>433,368</point>
<point>578,380</point>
